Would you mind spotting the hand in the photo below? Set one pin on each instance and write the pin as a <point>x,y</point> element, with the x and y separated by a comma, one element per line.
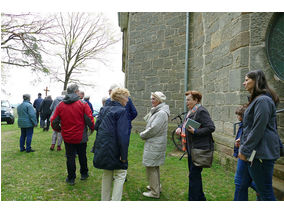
<point>242,157</point>
<point>123,161</point>
<point>237,142</point>
<point>190,129</point>
<point>178,131</point>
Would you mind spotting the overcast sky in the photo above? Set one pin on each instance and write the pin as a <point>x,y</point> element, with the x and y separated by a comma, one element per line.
<point>20,81</point>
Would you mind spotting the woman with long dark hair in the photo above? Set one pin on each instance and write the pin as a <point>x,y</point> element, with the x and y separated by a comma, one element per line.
<point>260,133</point>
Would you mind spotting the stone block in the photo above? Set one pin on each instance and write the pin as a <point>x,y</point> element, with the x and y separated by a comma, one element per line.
<point>235,80</point>
<point>241,57</point>
<point>215,39</point>
<point>240,40</point>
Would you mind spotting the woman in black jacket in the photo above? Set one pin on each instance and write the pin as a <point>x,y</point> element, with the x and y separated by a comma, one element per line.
<point>201,138</point>
<point>111,144</point>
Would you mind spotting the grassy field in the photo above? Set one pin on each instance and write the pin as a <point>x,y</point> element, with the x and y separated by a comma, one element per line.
<point>41,175</point>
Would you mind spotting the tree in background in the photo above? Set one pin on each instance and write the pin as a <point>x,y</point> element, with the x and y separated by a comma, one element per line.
<point>22,38</point>
<point>81,38</point>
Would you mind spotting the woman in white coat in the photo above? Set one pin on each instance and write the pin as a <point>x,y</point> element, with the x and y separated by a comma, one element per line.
<point>155,136</point>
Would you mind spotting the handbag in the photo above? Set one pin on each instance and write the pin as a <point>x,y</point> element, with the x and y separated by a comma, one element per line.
<point>200,157</point>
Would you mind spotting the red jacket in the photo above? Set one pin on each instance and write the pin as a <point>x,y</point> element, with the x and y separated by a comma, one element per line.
<point>71,117</point>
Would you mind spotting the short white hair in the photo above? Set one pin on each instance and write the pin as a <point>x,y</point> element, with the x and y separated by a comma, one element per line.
<point>159,96</point>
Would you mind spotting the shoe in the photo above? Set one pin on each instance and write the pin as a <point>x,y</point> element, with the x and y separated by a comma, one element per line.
<point>31,150</point>
<point>150,194</point>
<point>58,148</point>
<point>70,181</point>
<point>23,150</point>
<point>84,177</point>
<point>52,147</point>
<point>149,188</point>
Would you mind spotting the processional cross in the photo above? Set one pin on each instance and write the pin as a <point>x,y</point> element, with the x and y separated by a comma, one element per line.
<point>46,90</point>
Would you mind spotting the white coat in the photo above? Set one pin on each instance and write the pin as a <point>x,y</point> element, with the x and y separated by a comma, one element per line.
<point>155,136</point>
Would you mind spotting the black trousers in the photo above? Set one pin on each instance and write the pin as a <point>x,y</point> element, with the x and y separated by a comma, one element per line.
<point>71,151</point>
<point>195,189</point>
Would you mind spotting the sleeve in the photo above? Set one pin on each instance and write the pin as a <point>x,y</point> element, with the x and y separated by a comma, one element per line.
<point>32,115</point>
<point>122,134</point>
<point>88,117</point>
<point>52,105</point>
<point>155,126</point>
<point>55,120</point>
<point>132,110</point>
<point>207,125</point>
<point>262,113</point>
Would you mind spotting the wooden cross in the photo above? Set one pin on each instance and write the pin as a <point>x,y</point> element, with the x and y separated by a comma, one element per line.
<point>46,90</point>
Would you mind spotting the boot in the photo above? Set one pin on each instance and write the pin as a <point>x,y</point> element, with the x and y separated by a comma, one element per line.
<point>52,147</point>
<point>58,148</point>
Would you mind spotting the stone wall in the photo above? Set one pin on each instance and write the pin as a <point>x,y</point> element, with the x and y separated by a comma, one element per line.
<point>223,48</point>
<point>155,59</point>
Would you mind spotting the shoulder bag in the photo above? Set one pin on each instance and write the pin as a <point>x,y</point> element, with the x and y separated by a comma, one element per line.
<point>202,158</point>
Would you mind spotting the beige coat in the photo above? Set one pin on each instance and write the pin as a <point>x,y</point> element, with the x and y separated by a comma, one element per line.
<point>155,136</point>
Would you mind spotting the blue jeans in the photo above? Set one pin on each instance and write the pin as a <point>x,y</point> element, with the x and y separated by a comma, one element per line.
<point>26,136</point>
<point>195,189</point>
<point>243,181</point>
<point>261,172</point>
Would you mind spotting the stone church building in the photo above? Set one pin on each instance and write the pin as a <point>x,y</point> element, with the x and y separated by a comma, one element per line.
<point>208,52</point>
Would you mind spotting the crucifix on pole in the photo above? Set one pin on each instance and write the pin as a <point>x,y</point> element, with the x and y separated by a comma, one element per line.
<point>46,90</point>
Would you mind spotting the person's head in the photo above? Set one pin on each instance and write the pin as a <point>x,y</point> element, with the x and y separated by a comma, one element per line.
<point>26,97</point>
<point>120,95</point>
<point>192,98</point>
<point>240,112</point>
<point>81,94</point>
<point>157,98</point>
<point>104,100</point>
<point>39,95</point>
<point>256,84</point>
<point>73,88</point>
<point>64,92</point>
<point>112,87</point>
<point>87,98</point>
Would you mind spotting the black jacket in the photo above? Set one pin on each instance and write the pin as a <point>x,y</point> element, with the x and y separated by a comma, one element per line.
<point>45,107</point>
<point>202,137</point>
<point>112,140</point>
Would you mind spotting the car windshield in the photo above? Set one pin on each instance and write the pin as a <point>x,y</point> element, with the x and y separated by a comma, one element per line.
<point>5,104</point>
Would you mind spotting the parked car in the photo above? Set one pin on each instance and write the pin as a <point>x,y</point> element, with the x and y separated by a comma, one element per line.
<point>7,113</point>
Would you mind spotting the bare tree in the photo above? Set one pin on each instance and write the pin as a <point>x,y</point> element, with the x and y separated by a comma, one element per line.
<point>83,37</point>
<point>22,38</point>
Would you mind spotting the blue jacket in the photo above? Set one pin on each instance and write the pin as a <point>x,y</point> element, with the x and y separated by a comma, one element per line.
<point>131,111</point>
<point>37,103</point>
<point>26,115</point>
<point>239,133</point>
<point>259,130</point>
<point>90,105</point>
<point>112,138</point>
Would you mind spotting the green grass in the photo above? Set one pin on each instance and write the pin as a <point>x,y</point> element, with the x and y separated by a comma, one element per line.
<point>41,175</point>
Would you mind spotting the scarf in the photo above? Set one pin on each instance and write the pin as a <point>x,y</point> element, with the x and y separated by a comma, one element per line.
<point>183,135</point>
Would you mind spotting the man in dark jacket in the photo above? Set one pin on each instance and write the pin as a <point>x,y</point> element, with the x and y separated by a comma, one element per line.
<point>36,105</point>
<point>45,112</point>
<point>71,118</point>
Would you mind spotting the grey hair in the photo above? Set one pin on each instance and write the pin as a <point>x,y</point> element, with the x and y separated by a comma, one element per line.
<point>26,97</point>
<point>113,86</point>
<point>64,92</point>
<point>72,88</point>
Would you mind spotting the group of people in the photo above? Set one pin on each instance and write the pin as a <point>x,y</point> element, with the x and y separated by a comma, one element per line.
<point>257,134</point>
